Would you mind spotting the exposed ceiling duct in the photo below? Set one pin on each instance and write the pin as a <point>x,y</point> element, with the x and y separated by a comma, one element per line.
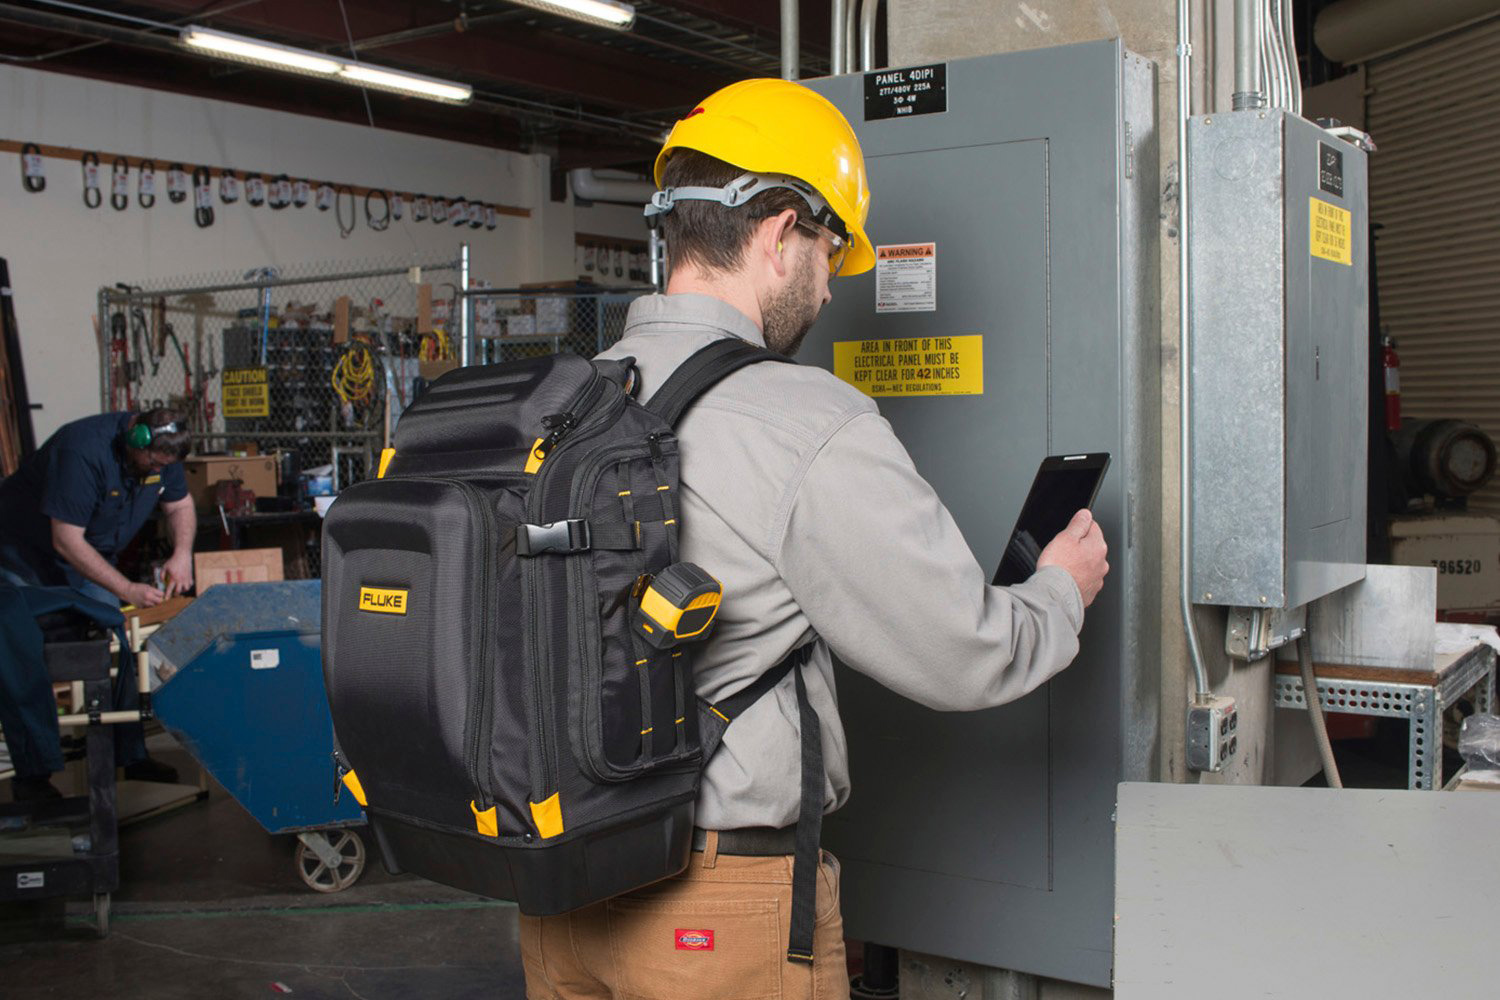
<point>1353,31</point>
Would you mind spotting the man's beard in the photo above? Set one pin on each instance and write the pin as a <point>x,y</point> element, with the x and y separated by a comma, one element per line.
<point>791,313</point>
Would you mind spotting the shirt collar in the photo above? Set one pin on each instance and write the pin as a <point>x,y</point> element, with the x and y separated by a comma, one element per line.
<point>658,314</point>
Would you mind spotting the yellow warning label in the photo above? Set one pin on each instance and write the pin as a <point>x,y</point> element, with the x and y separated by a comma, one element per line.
<point>918,366</point>
<point>247,392</point>
<point>1329,232</point>
<point>389,602</point>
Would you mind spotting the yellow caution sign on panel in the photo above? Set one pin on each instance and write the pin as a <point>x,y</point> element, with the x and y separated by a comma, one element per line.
<point>914,366</point>
<point>1330,233</point>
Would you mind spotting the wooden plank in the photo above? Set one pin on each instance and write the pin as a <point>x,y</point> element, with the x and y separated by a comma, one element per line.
<point>1373,675</point>
<point>107,158</point>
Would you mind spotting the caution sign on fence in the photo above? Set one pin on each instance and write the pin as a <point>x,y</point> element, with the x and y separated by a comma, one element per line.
<point>914,366</point>
<point>247,392</point>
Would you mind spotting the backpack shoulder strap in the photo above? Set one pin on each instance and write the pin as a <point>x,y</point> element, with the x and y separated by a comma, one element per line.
<point>715,718</point>
<point>702,371</point>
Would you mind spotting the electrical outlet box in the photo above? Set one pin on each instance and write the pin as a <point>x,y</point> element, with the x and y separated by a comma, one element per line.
<point>1212,734</point>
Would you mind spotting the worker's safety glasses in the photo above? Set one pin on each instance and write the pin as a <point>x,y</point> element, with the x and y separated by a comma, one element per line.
<point>838,247</point>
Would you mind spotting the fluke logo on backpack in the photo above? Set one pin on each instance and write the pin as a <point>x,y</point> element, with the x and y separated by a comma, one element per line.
<point>391,602</point>
<point>527,730</point>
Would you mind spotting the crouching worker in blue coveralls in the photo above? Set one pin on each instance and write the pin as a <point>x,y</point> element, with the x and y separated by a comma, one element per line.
<point>65,516</point>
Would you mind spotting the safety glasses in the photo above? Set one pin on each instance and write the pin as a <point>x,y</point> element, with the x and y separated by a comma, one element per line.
<point>838,246</point>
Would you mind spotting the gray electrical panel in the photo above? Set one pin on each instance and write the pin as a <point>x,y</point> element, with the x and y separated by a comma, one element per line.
<point>1279,263</point>
<point>1014,316</point>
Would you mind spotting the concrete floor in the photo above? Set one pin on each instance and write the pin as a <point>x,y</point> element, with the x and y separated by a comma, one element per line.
<point>210,905</point>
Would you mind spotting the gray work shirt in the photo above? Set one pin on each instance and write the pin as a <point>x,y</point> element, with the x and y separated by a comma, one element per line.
<point>798,497</point>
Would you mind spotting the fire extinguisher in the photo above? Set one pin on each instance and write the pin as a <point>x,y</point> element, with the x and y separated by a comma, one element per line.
<point>1391,362</point>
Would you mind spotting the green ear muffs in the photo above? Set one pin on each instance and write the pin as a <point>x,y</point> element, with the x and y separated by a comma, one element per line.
<point>141,435</point>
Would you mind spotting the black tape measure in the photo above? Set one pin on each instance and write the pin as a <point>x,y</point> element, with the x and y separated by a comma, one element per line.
<point>677,605</point>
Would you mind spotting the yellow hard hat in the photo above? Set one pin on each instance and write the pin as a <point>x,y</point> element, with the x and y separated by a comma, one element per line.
<point>781,127</point>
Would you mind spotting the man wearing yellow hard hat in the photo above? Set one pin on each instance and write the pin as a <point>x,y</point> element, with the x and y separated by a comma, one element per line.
<point>798,497</point>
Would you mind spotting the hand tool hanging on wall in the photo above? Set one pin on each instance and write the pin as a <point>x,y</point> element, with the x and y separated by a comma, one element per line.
<point>490,217</point>
<point>380,223</point>
<point>119,184</point>
<point>91,195</point>
<point>145,188</point>
<point>264,276</point>
<point>229,186</point>
<point>421,207</point>
<point>32,177</point>
<point>476,215</point>
<point>398,205</point>
<point>164,333</point>
<point>203,198</point>
<point>255,190</point>
<point>279,195</point>
<point>458,211</point>
<point>338,210</point>
<point>325,197</point>
<point>439,210</point>
<point>141,338</point>
<point>120,396</point>
<point>301,193</point>
<point>177,184</point>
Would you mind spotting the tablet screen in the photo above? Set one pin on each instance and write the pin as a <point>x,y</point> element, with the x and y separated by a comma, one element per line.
<point>1064,485</point>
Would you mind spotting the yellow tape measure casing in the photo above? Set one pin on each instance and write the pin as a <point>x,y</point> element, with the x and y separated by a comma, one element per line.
<point>678,605</point>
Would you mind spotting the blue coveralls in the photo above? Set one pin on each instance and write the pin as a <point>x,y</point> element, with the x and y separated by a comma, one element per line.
<point>79,476</point>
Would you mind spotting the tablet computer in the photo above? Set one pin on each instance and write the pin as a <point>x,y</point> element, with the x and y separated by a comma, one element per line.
<point>1064,485</point>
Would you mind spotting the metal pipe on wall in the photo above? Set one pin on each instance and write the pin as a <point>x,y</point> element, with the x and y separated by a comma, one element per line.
<point>791,41</point>
<point>839,12</point>
<point>1185,354</point>
<point>869,16</point>
<point>851,37</point>
<point>1247,89</point>
<point>465,356</point>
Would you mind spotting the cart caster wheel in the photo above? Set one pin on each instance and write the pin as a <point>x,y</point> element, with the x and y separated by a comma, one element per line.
<point>319,871</point>
<point>101,914</point>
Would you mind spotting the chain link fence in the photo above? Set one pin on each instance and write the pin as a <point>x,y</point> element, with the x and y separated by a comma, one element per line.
<point>507,324</point>
<point>300,359</point>
<point>315,363</point>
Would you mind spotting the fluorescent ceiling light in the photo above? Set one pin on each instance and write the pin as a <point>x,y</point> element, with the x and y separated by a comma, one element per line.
<point>607,13</point>
<point>243,49</point>
<point>406,83</point>
<point>252,50</point>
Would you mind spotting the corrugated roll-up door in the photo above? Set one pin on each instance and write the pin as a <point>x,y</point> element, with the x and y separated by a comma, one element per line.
<point>1434,112</point>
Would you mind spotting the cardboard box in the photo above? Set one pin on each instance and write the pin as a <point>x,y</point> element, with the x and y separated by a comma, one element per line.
<point>258,473</point>
<point>1479,781</point>
<point>1465,550</point>
<point>236,566</point>
<point>432,370</point>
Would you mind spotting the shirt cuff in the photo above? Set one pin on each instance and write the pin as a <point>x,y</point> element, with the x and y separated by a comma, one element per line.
<point>1059,584</point>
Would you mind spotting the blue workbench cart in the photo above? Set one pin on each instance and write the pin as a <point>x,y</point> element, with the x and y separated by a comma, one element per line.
<point>240,676</point>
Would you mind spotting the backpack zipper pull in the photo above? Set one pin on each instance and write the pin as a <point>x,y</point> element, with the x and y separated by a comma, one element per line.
<point>559,424</point>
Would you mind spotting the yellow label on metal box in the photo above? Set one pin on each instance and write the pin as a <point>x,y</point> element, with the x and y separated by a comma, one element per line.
<point>1330,234</point>
<point>914,366</point>
<point>388,602</point>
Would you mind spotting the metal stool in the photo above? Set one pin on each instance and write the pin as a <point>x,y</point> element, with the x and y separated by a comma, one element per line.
<point>90,865</point>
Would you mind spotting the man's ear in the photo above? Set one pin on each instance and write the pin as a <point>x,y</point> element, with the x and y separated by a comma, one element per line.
<point>773,235</point>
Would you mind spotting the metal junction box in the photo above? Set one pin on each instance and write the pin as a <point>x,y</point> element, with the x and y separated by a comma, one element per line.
<point>1279,261</point>
<point>1013,316</point>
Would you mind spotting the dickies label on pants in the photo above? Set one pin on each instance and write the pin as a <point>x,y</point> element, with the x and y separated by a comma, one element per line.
<point>694,940</point>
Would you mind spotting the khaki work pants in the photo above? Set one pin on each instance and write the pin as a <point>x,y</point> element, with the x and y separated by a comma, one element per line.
<point>718,931</point>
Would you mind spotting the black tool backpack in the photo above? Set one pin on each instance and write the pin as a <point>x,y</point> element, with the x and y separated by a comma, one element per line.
<point>504,727</point>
